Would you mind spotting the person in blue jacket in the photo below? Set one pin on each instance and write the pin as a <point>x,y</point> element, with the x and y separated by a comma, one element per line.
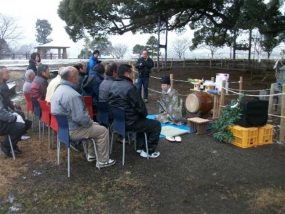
<point>93,60</point>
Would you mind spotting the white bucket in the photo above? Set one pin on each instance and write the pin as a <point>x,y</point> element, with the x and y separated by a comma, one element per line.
<point>220,77</point>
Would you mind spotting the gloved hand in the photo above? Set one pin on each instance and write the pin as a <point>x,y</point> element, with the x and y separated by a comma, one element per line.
<point>19,118</point>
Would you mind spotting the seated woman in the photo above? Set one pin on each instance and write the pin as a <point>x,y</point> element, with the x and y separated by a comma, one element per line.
<point>29,77</point>
<point>170,105</point>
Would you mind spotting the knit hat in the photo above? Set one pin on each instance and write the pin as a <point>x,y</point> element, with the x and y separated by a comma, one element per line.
<point>165,80</point>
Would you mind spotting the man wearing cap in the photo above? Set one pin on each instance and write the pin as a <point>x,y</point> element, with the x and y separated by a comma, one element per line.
<point>123,95</point>
<point>170,105</point>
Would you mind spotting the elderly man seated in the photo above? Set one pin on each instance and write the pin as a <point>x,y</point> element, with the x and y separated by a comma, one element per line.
<point>11,122</point>
<point>67,101</point>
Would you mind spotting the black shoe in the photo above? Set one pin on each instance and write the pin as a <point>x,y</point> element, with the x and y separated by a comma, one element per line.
<point>6,150</point>
<point>17,150</point>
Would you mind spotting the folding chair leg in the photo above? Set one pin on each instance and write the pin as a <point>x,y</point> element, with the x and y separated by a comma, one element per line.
<point>68,162</point>
<point>111,143</point>
<point>96,153</point>
<point>49,137</point>
<point>124,151</point>
<point>39,130</point>
<point>146,144</point>
<point>58,151</point>
<point>12,148</point>
<point>85,149</point>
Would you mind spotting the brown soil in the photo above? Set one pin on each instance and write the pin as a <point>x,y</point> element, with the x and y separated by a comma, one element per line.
<point>197,176</point>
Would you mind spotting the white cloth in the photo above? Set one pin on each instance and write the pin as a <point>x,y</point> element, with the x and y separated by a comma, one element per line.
<point>19,118</point>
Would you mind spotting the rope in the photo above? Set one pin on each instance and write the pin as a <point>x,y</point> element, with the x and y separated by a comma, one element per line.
<point>159,92</point>
<point>250,95</point>
<point>273,115</point>
<point>249,90</point>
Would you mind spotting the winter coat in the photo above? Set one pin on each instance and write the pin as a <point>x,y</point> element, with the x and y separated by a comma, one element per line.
<point>6,114</point>
<point>144,66</point>
<point>91,64</point>
<point>67,101</point>
<point>32,65</point>
<point>90,87</point>
<point>104,88</point>
<point>123,94</point>
<point>39,87</point>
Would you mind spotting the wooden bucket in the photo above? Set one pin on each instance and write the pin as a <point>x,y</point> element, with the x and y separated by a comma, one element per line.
<point>199,102</point>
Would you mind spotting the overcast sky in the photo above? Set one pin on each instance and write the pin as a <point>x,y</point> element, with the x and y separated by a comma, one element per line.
<point>26,12</point>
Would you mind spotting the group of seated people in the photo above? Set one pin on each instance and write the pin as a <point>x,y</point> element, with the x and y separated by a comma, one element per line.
<point>110,83</point>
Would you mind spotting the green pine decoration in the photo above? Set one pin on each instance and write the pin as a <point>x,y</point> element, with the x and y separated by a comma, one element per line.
<point>229,115</point>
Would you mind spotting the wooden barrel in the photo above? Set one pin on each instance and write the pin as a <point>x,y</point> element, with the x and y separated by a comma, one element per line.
<point>199,102</point>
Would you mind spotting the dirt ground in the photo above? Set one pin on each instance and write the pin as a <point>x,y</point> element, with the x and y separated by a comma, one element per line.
<point>198,175</point>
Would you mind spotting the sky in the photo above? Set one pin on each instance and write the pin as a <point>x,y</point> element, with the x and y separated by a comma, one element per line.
<point>26,12</point>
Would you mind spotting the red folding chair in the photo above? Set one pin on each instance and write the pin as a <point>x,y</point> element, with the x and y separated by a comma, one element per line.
<point>45,117</point>
<point>29,104</point>
<point>89,105</point>
<point>53,125</point>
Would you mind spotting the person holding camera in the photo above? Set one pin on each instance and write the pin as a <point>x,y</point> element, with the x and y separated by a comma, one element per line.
<point>144,66</point>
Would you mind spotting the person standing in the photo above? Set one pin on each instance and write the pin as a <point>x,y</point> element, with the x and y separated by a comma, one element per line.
<point>34,62</point>
<point>144,66</point>
<point>93,61</point>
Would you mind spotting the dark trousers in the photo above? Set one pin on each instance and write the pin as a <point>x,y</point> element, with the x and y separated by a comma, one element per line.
<point>152,129</point>
<point>143,81</point>
<point>15,130</point>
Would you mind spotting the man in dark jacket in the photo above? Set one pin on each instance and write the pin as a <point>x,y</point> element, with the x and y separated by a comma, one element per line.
<point>90,84</point>
<point>40,83</point>
<point>144,66</point>
<point>123,94</point>
<point>11,123</point>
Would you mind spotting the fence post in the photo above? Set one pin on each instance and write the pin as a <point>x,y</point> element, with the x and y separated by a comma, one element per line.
<point>240,85</point>
<point>282,121</point>
<point>222,98</point>
<point>184,62</point>
<point>171,80</point>
<point>171,64</point>
<point>271,98</point>
<point>210,63</point>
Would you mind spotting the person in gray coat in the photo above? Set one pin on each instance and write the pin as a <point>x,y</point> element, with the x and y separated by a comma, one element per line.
<point>67,101</point>
<point>110,75</point>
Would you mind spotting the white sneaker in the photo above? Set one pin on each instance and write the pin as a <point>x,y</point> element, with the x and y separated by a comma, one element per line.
<point>25,137</point>
<point>91,158</point>
<point>170,138</point>
<point>139,151</point>
<point>152,155</point>
<point>100,164</point>
<point>178,139</point>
